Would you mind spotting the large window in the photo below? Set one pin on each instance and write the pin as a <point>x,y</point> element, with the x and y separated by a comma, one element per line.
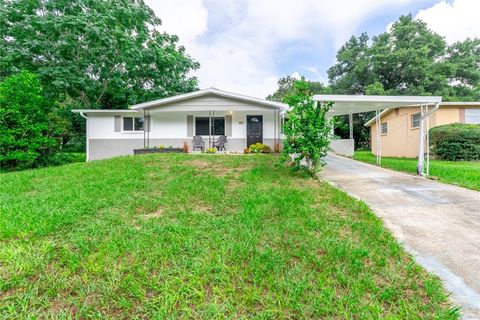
<point>217,126</point>
<point>416,120</point>
<point>132,124</point>
<point>472,116</point>
<point>384,128</point>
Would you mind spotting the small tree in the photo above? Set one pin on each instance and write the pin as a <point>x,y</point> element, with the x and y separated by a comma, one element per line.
<point>307,129</point>
<point>28,124</point>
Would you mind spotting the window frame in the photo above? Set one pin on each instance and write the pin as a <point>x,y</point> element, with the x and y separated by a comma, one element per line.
<point>210,125</point>
<point>412,121</point>
<point>477,110</point>
<point>133,124</point>
<point>381,128</point>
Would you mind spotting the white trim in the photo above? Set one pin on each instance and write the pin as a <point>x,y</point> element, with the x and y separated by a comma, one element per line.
<point>199,93</point>
<point>103,111</point>
<point>459,104</point>
<point>346,104</point>
<point>380,99</point>
<point>133,125</point>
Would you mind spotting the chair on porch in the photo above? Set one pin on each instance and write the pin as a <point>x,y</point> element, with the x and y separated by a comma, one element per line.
<point>220,143</point>
<point>198,143</point>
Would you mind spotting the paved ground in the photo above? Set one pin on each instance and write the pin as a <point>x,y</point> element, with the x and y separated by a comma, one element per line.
<point>438,223</point>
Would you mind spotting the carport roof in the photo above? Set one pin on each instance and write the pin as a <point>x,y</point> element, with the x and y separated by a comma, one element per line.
<point>347,104</point>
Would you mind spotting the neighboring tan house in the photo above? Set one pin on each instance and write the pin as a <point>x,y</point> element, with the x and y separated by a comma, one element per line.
<point>399,126</point>
<point>173,121</point>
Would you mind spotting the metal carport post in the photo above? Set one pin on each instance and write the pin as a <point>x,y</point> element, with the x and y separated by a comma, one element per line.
<point>349,104</point>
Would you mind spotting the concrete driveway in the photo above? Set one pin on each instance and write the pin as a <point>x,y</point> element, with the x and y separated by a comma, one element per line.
<point>438,224</point>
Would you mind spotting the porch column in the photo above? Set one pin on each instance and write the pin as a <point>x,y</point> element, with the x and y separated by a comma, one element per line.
<point>350,125</point>
<point>144,131</point>
<point>420,164</point>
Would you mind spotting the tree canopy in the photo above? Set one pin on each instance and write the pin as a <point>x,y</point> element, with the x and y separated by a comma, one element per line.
<point>409,59</point>
<point>93,53</point>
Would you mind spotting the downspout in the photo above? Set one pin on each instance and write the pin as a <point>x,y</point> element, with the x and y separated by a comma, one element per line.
<point>86,137</point>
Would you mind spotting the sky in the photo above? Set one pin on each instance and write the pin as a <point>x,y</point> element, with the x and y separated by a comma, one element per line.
<point>245,46</point>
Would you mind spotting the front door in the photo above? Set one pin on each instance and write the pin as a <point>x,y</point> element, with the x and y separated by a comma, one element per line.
<point>254,130</point>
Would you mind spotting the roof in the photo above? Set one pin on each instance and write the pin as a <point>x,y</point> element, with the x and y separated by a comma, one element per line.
<point>102,111</point>
<point>210,91</point>
<point>348,104</point>
<point>470,103</point>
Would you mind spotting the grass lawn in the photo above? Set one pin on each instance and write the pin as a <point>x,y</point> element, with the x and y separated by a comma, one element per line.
<point>198,236</point>
<point>461,173</point>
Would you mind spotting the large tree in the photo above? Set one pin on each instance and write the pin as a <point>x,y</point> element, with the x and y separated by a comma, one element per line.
<point>93,53</point>
<point>409,59</point>
<point>99,53</point>
<point>286,88</point>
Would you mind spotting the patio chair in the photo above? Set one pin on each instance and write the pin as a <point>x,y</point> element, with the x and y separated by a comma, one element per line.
<point>198,143</point>
<point>220,143</point>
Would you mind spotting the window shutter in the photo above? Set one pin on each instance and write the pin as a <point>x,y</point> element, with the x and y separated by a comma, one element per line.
<point>118,124</point>
<point>228,125</point>
<point>147,123</point>
<point>189,126</point>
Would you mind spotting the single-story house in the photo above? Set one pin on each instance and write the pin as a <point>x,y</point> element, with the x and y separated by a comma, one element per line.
<point>173,121</point>
<point>399,126</point>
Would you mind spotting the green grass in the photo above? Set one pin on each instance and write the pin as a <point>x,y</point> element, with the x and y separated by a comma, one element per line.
<point>198,236</point>
<point>461,173</point>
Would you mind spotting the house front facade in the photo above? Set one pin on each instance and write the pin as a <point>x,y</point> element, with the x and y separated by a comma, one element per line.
<point>173,121</point>
<point>400,126</point>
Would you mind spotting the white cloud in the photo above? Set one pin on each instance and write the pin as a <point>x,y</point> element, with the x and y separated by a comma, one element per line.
<point>239,43</point>
<point>456,21</point>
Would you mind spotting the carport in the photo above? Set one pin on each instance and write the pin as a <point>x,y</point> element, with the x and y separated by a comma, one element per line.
<point>351,104</point>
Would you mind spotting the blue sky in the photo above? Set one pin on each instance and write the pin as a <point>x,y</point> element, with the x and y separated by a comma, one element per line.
<point>246,45</point>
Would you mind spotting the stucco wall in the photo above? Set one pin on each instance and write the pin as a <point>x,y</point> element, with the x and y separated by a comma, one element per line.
<point>169,128</point>
<point>401,139</point>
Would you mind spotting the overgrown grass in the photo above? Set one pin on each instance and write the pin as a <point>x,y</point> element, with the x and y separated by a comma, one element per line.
<point>462,173</point>
<point>197,236</point>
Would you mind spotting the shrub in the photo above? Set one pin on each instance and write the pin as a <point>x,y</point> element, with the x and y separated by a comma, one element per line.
<point>29,127</point>
<point>161,147</point>
<point>456,142</point>
<point>259,148</point>
<point>211,150</point>
<point>307,131</point>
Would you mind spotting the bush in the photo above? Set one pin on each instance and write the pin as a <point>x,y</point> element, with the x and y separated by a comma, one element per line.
<point>211,150</point>
<point>29,128</point>
<point>259,148</point>
<point>456,142</point>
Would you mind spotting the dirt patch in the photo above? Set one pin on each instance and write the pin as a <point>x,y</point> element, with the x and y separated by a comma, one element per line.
<point>156,214</point>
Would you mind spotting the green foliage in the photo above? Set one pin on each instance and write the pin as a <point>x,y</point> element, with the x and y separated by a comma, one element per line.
<point>410,59</point>
<point>286,87</point>
<point>307,132</point>
<point>203,237</point>
<point>456,142</point>
<point>211,150</point>
<point>29,127</point>
<point>260,148</point>
<point>93,53</point>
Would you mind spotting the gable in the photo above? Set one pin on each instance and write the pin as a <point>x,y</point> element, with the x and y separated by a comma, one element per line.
<point>210,102</point>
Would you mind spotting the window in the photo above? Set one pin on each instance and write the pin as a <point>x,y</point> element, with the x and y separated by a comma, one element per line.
<point>217,127</point>
<point>416,120</point>
<point>132,124</point>
<point>384,128</point>
<point>472,116</point>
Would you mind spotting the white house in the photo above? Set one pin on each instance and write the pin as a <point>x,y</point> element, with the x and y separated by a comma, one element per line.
<point>175,120</point>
